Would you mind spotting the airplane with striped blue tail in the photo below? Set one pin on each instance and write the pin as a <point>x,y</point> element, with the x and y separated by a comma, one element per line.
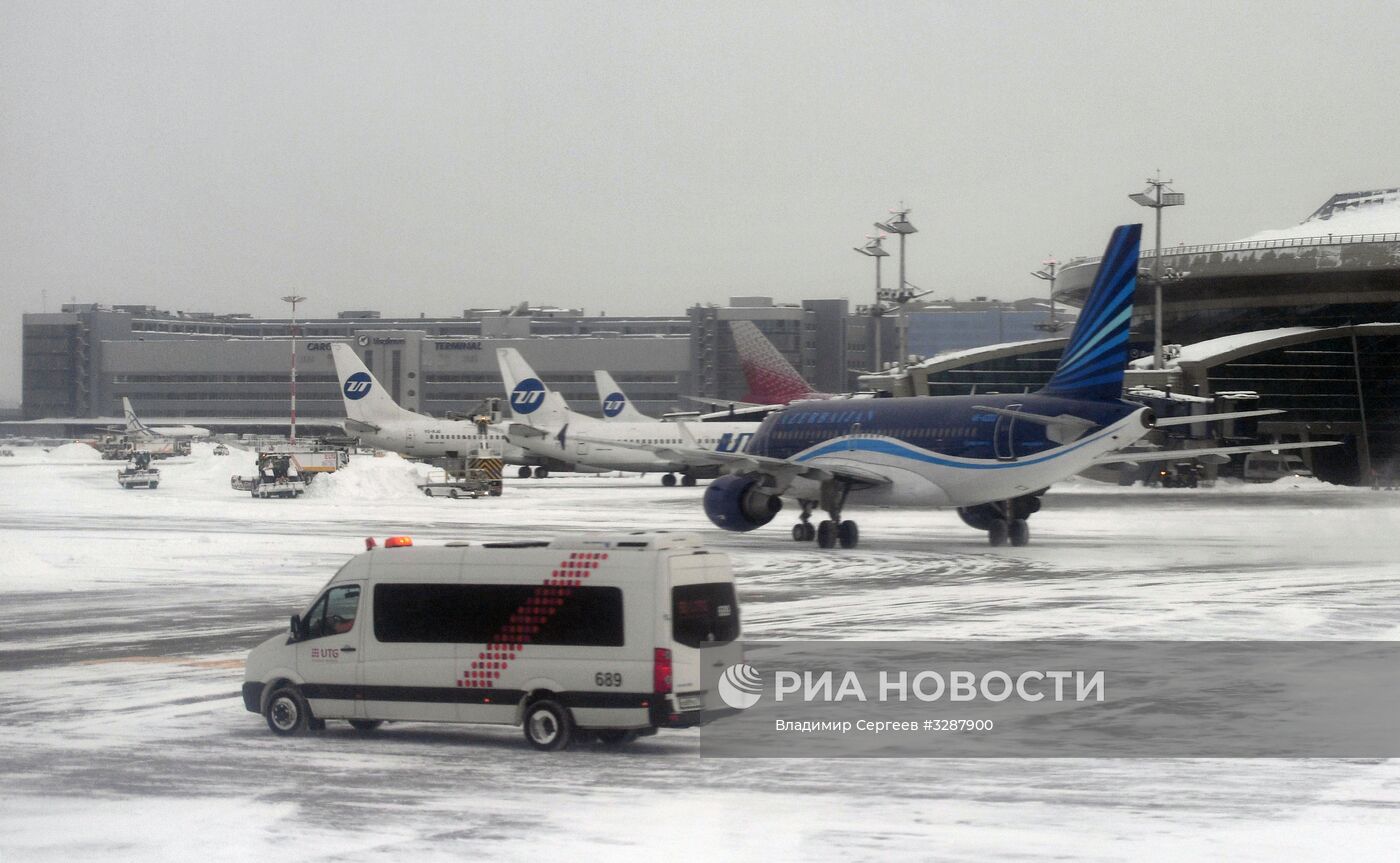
<point>989,456</point>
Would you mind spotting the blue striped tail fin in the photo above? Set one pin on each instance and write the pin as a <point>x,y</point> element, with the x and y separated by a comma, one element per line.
<point>1092,365</point>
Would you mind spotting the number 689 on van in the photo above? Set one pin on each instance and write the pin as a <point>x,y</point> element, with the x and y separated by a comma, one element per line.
<point>608,635</point>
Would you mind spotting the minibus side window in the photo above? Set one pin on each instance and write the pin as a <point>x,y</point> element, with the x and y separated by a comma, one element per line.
<point>478,613</point>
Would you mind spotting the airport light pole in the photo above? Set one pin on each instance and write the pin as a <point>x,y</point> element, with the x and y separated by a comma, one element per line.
<point>873,249</point>
<point>1157,201</point>
<point>902,295</point>
<point>294,299</point>
<point>1048,273</point>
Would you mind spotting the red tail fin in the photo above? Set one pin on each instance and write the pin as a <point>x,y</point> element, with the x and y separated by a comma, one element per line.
<point>772,379</point>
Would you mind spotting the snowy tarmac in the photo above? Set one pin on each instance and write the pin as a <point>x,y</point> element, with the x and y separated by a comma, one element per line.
<point>125,617</point>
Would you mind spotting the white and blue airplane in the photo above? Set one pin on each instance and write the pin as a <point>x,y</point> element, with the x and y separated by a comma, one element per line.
<point>614,402</point>
<point>990,456</point>
<point>373,416</point>
<point>546,428</point>
<point>136,430</point>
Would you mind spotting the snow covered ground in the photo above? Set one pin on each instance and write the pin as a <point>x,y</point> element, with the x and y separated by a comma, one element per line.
<point>125,616</point>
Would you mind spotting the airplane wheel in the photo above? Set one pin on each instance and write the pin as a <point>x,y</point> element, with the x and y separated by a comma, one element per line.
<point>523,473</point>
<point>687,480</point>
<point>541,472</point>
<point>826,534</point>
<point>668,480</point>
<point>998,531</point>
<point>1019,532</point>
<point>802,532</point>
<point>848,534</point>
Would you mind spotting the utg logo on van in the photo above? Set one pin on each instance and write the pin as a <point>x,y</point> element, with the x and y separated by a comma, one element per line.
<point>740,686</point>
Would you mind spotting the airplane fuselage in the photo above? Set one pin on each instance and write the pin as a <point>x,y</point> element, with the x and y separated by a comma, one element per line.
<point>438,439</point>
<point>945,451</point>
<point>586,441</point>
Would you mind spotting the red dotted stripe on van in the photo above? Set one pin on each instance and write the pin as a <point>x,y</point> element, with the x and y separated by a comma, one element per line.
<point>525,622</point>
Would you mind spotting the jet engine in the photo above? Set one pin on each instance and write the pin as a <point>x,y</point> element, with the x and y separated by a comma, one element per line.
<point>739,503</point>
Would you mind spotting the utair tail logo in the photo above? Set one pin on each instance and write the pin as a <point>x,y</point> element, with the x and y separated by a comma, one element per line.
<point>613,404</point>
<point>528,396</point>
<point>357,386</point>
<point>740,686</point>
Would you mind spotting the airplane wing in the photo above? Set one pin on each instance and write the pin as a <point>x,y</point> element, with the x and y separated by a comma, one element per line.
<point>1165,422</point>
<point>1182,454</point>
<point>785,470</point>
<point>723,403</point>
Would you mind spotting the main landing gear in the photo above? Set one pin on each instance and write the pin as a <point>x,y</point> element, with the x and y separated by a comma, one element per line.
<point>830,532</point>
<point>669,479</point>
<point>1003,520</point>
<point>539,473</point>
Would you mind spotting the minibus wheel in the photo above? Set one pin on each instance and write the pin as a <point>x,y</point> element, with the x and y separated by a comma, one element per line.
<point>548,725</point>
<point>287,712</point>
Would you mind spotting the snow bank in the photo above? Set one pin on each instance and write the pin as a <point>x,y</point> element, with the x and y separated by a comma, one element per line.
<point>368,478</point>
<point>79,452</point>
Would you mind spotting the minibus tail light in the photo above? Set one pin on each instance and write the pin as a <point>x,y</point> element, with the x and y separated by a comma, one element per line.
<point>661,671</point>
<point>398,541</point>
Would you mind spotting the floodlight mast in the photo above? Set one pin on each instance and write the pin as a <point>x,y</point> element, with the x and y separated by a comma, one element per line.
<point>294,299</point>
<point>1157,201</point>
<point>873,249</point>
<point>900,225</point>
<point>1048,274</point>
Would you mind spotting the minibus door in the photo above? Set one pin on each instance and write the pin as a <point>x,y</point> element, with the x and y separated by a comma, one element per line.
<point>328,657</point>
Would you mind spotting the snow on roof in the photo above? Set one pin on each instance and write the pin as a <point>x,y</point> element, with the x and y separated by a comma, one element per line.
<point>1201,351</point>
<point>1374,212</point>
<point>968,353</point>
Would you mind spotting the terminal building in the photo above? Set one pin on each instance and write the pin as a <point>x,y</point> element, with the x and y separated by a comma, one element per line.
<point>80,362</point>
<point>1304,319</point>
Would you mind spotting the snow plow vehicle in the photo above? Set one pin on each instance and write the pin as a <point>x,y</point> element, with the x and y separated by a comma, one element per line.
<point>138,472</point>
<point>285,471</point>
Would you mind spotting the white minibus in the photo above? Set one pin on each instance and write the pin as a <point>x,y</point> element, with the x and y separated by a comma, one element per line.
<point>609,636</point>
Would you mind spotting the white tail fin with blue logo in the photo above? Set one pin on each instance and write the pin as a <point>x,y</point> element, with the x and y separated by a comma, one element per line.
<point>366,401</point>
<point>614,403</point>
<point>531,402</point>
<point>134,427</point>
<point>1091,367</point>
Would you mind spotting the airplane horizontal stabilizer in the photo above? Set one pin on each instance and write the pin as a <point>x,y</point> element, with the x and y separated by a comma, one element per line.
<point>1064,428</point>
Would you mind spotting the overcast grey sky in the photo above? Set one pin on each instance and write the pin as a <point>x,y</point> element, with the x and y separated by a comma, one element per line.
<point>638,157</point>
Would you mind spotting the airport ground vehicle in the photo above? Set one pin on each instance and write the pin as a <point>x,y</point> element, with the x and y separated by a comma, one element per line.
<point>120,448</point>
<point>466,477</point>
<point>220,449</point>
<point>138,472</point>
<point>603,635</point>
<point>1269,466</point>
<point>284,471</point>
